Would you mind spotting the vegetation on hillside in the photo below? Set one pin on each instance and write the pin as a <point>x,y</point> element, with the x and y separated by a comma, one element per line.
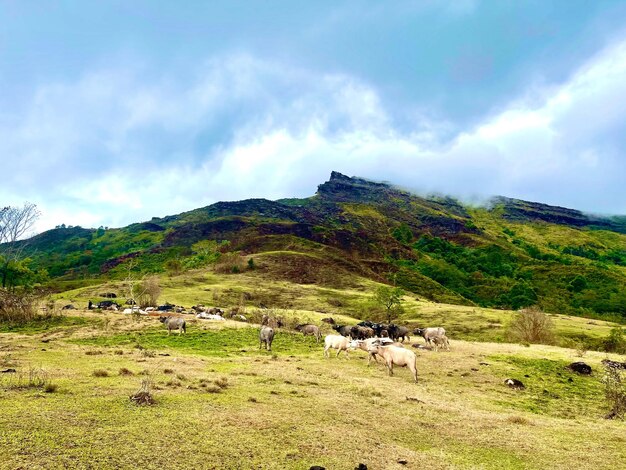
<point>513,254</point>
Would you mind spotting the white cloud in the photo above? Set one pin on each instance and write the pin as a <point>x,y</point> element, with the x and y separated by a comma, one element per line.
<point>116,148</point>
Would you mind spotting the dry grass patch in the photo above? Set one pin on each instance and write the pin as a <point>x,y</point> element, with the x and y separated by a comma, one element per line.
<point>518,420</point>
<point>100,373</point>
<point>93,353</point>
<point>222,382</point>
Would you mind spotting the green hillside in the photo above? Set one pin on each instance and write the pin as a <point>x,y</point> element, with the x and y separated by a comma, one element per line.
<point>508,254</point>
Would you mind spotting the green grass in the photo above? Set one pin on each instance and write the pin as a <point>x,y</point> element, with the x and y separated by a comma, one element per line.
<point>225,342</point>
<point>46,324</point>
<point>291,408</point>
<point>551,387</point>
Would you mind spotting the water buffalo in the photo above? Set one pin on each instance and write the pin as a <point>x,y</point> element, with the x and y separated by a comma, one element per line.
<point>343,330</point>
<point>340,343</point>
<point>394,355</point>
<point>266,335</point>
<point>173,323</point>
<point>429,333</point>
<point>310,330</point>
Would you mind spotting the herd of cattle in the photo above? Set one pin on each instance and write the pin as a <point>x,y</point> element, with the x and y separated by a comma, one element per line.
<point>377,339</point>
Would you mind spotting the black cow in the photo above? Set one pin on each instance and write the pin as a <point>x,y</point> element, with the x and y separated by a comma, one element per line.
<point>343,330</point>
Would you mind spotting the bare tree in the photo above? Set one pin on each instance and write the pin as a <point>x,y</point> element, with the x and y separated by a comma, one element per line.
<point>15,224</point>
<point>142,291</point>
<point>151,289</point>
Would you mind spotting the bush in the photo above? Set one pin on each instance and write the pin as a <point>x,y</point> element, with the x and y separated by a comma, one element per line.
<point>615,342</point>
<point>614,392</point>
<point>150,291</point>
<point>531,325</point>
<point>19,305</point>
<point>230,263</point>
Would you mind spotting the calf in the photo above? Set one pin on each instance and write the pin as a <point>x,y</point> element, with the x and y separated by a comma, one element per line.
<point>429,333</point>
<point>440,341</point>
<point>173,323</point>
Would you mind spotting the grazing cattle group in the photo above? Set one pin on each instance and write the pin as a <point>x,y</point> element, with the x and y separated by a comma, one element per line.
<point>376,339</point>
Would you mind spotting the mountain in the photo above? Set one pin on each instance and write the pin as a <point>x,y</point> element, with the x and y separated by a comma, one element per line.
<point>509,253</point>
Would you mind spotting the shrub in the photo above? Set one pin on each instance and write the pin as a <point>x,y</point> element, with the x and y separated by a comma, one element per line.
<point>19,305</point>
<point>230,263</point>
<point>614,392</point>
<point>150,291</point>
<point>50,387</point>
<point>578,284</point>
<point>100,373</point>
<point>531,325</point>
<point>125,371</point>
<point>615,342</point>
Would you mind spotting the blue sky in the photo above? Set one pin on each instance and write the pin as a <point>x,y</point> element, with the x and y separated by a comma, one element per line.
<point>113,112</point>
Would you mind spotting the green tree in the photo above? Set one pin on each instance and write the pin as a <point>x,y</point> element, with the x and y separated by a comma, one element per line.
<point>174,266</point>
<point>616,341</point>
<point>578,284</point>
<point>522,295</point>
<point>403,233</point>
<point>390,298</point>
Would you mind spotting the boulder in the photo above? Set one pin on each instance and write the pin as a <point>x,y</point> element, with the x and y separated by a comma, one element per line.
<point>580,367</point>
<point>614,364</point>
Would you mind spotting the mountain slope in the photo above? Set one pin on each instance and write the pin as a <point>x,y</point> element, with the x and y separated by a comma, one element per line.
<point>511,253</point>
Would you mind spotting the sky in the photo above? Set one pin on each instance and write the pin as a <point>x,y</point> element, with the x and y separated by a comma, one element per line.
<point>114,112</point>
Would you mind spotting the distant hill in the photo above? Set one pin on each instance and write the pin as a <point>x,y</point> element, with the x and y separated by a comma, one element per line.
<point>509,253</point>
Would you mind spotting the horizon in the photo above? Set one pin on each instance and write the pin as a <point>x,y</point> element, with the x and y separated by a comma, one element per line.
<point>115,113</point>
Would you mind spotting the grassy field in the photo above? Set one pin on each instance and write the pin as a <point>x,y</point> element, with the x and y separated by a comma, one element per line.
<point>311,302</point>
<point>223,403</point>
